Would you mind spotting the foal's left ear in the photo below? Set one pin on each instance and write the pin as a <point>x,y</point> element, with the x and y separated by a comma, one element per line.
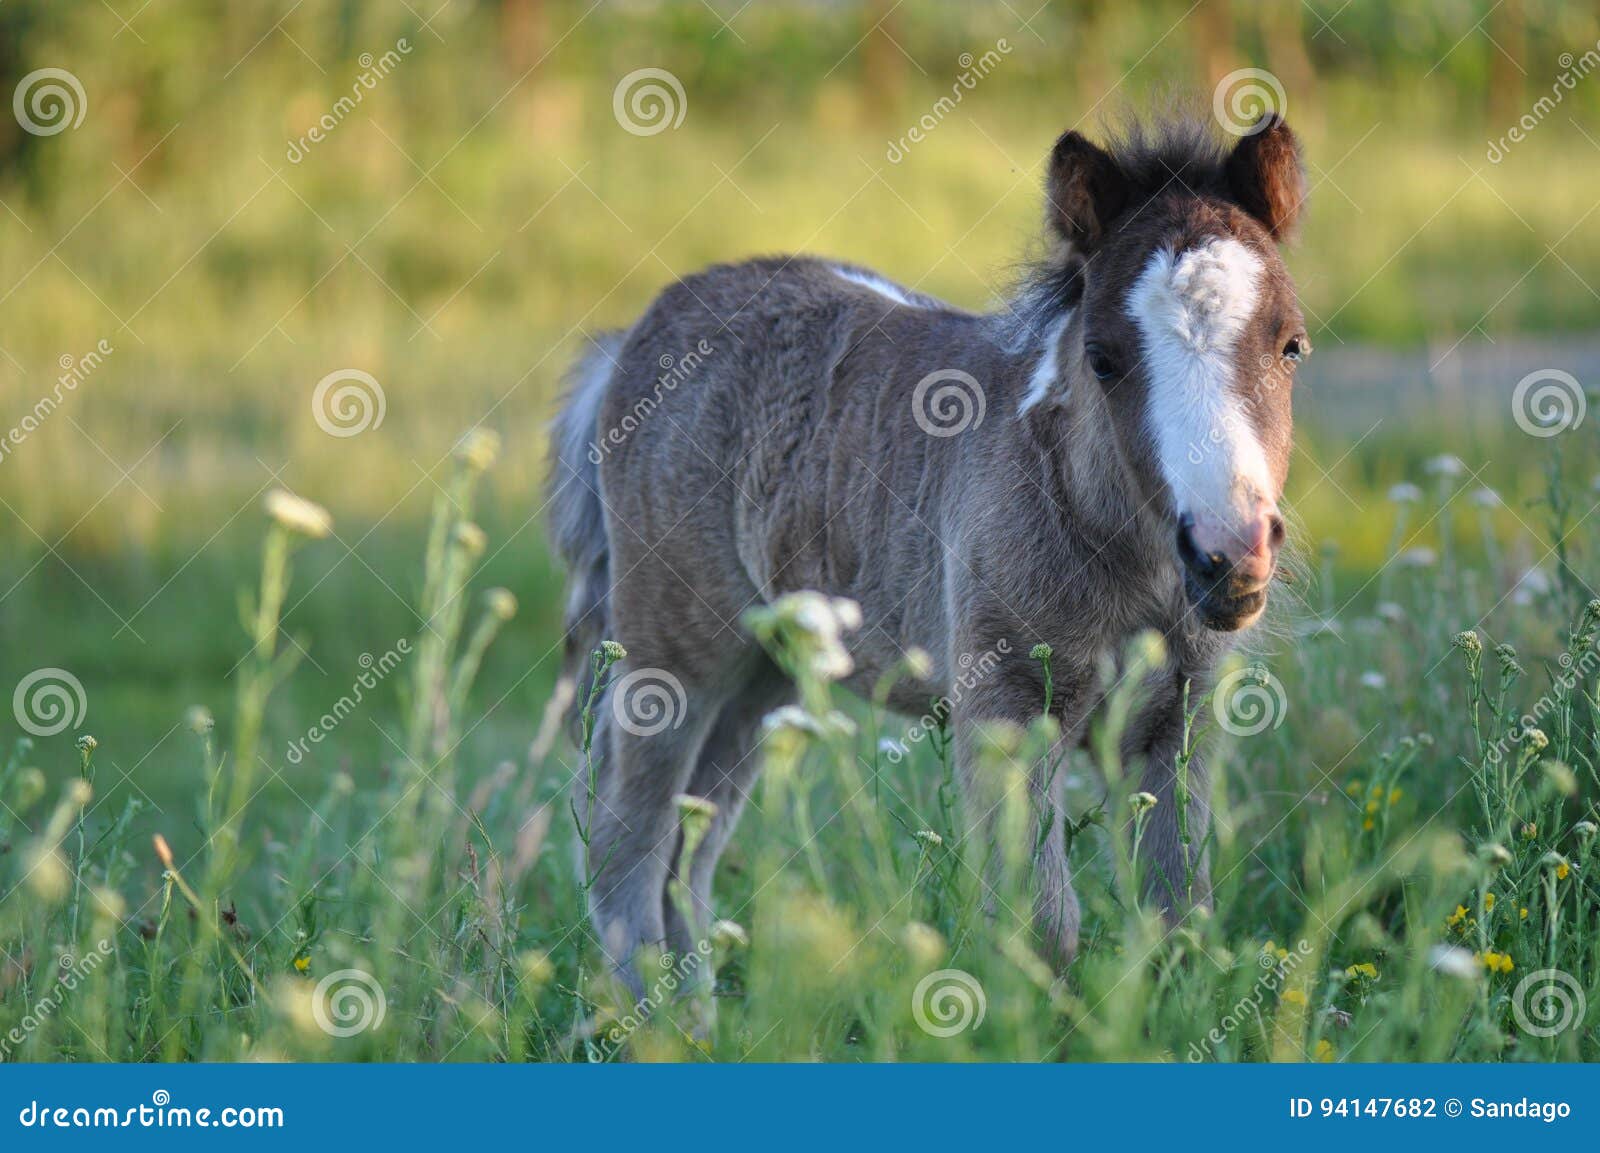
<point>1085,191</point>
<point>1266,177</point>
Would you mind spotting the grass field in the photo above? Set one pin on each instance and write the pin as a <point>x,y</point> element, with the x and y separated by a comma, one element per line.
<point>1395,855</point>
<point>1379,803</point>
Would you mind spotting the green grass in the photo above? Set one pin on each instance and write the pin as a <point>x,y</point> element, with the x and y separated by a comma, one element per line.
<point>228,282</point>
<point>428,844</point>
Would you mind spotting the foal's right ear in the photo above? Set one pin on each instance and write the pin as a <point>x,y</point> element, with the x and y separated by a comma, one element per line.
<point>1085,189</point>
<point>1267,177</point>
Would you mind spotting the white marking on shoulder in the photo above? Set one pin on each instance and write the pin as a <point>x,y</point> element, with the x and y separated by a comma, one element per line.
<point>1190,309</point>
<point>876,284</point>
<point>1048,368</point>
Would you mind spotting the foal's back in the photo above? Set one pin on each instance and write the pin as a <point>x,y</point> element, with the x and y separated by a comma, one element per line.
<point>797,451</point>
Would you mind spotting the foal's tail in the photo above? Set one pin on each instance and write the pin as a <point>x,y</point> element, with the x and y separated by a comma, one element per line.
<point>577,515</point>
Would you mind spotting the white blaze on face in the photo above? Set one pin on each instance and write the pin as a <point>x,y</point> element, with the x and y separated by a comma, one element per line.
<point>1190,309</point>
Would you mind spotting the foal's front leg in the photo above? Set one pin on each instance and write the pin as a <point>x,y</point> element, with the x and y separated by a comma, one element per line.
<point>1177,876</point>
<point>1019,701</point>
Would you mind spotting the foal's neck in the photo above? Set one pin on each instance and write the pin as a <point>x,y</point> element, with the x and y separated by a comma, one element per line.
<point>1093,483</point>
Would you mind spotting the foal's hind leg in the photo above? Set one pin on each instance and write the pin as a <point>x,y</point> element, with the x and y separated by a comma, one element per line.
<point>634,830</point>
<point>724,774</point>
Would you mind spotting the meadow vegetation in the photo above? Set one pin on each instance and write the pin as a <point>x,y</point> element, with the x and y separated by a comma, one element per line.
<point>342,726</point>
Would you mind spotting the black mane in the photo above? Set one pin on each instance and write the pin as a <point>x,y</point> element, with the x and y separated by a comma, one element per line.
<point>1174,153</point>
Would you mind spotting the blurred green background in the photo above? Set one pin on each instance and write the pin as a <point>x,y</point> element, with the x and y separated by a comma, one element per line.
<point>456,231</point>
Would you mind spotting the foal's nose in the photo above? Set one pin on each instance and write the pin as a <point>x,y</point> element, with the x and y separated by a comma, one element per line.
<point>1243,554</point>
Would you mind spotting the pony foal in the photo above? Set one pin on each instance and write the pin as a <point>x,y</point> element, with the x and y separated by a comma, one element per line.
<point>1101,456</point>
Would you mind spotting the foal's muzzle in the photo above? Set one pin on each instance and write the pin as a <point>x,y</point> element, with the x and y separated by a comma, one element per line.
<point>1226,573</point>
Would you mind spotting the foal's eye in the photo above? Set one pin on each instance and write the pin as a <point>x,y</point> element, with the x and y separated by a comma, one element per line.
<point>1297,349</point>
<point>1100,362</point>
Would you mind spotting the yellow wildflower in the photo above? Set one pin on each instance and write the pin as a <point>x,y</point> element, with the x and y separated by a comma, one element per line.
<point>1562,870</point>
<point>1372,807</point>
<point>1496,962</point>
<point>1325,1051</point>
<point>1294,997</point>
<point>1524,912</point>
<point>1488,902</point>
<point>1353,788</point>
<point>1368,825</point>
<point>1395,795</point>
<point>302,963</point>
<point>1457,917</point>
<point>1365,969</point>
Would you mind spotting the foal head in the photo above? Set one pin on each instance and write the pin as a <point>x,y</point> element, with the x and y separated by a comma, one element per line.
<point>1187,320</point>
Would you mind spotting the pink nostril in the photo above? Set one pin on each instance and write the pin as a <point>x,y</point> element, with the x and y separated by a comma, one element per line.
<point>1265,536</point>
<point>1246,552</point>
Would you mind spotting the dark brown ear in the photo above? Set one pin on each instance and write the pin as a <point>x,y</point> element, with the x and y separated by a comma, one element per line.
<point>1265,175</point>
<point>1085,189</point>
